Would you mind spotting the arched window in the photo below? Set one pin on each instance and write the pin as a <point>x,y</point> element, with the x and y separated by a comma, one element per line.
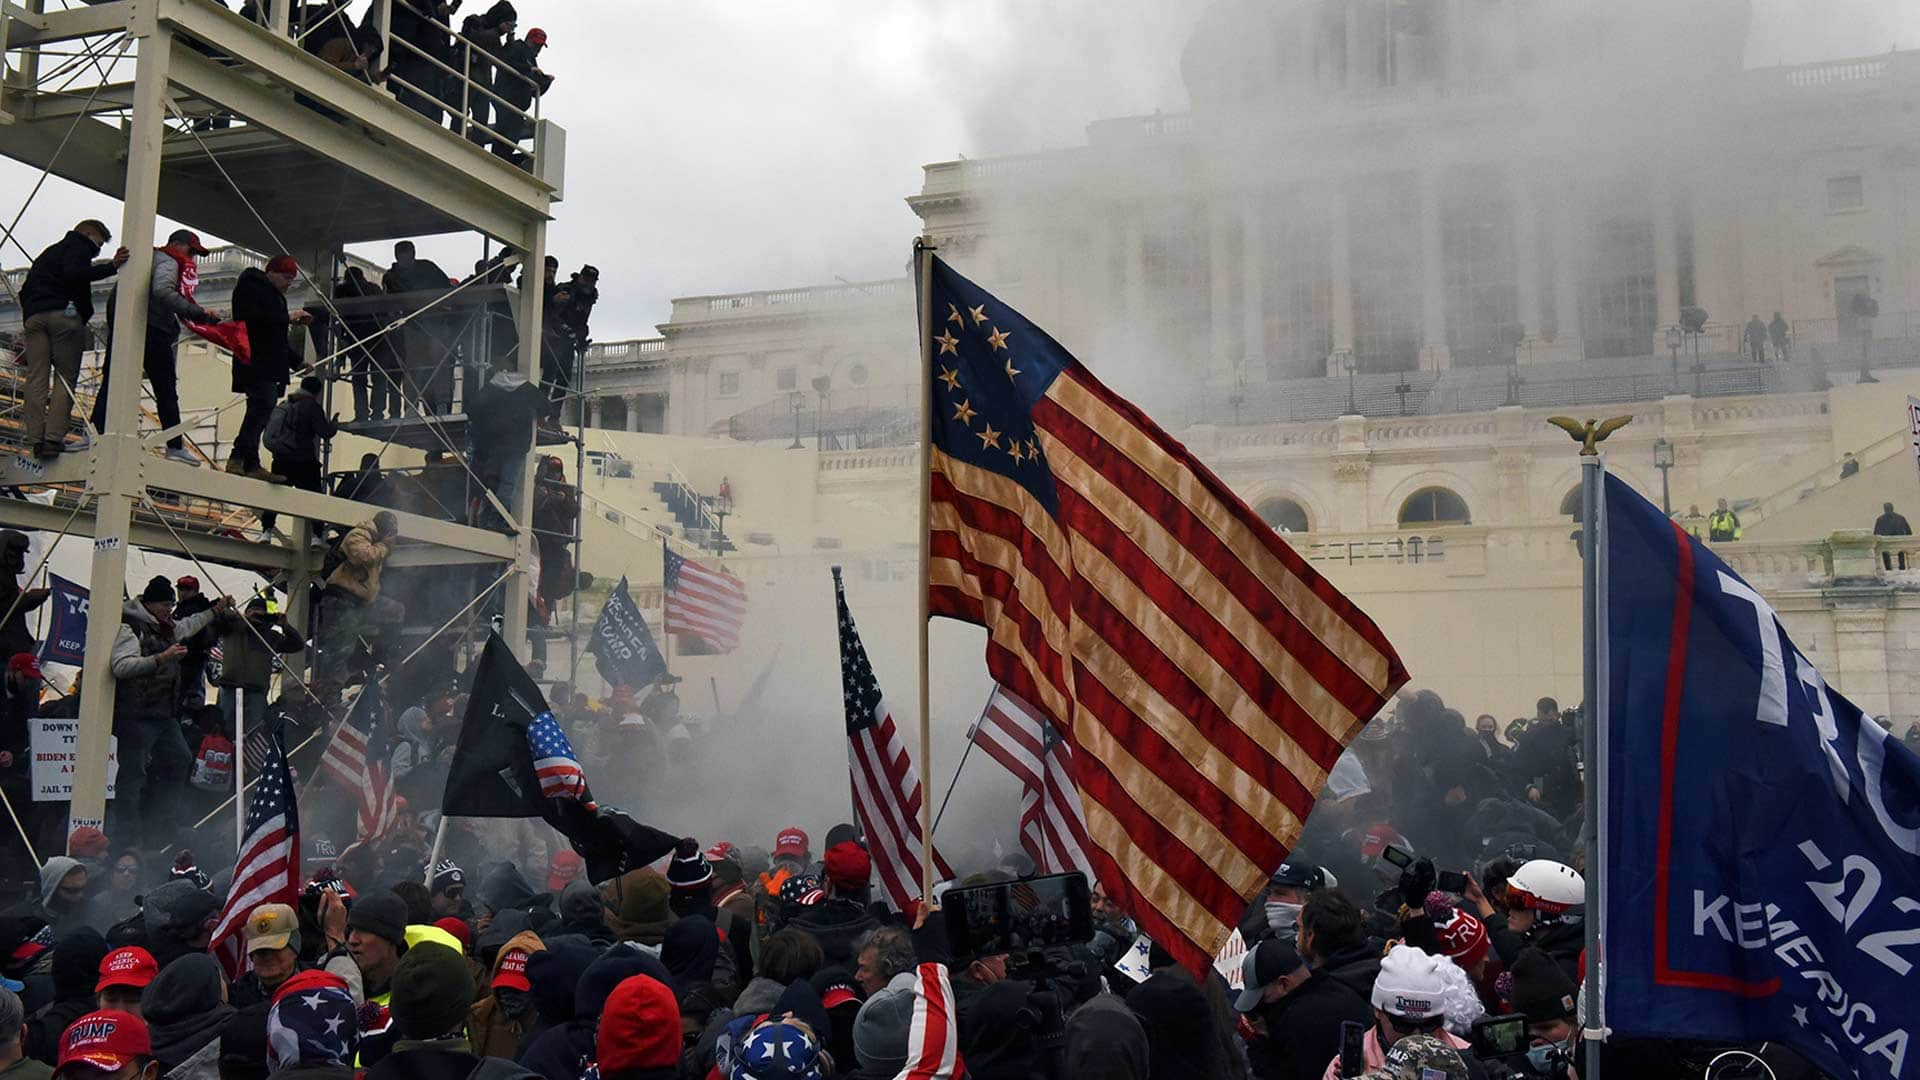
<point>1284,515</point>
<point>1434,506</point>
<point>1570,506</point>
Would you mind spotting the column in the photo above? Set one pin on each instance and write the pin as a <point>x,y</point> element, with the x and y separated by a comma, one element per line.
<point>1220,278</point>
<point>593,412</point>
<point>1569,237</point>
<point>515,590</point>
<point>1340,264</point>
<point>1666,260</point>
<point>1253,285</point>
<point>1526,262</point>
<point>1433,294</point>
<point>117,453</point>
<point>633,411</point>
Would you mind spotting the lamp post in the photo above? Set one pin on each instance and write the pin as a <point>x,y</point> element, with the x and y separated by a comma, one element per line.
<point>796,401</point>
<point>1663,460</point>
<point>1403,390</point>
<point>823,386</point>
<point>1674,337</point>
<point>1345,358</point>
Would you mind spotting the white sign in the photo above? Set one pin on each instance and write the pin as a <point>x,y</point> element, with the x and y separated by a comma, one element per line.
<point>1913,425</point>
<point>105,544</point>
<point>54,746</point>
<point>1231,961</point>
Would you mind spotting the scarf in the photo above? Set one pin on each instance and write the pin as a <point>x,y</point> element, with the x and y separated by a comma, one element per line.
<point>231,336</point>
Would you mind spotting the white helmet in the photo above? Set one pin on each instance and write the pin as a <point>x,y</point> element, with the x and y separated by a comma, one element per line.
<point>1547,887</point>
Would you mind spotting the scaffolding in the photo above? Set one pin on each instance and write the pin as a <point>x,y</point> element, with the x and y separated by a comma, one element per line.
<point>238,129</point>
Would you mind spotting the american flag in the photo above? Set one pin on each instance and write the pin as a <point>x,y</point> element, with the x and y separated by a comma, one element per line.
<point>707,604</point>
<point>553,760</point>
<point>357,758</point>
<point>886,787</point>
<point>1053,828</point>
<point>268,869</point>
<point>1205,677</point>
<point>933,1042</point>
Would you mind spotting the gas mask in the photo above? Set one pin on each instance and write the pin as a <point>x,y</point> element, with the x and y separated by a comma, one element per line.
<point>1550,1059</point>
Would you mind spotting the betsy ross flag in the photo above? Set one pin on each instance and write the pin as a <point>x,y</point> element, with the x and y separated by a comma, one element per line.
<point>886,787</point>
<point>514,761</point>
<point>705,604</point>
<point>1205,677</point>
<point>268,869</point>
<point>356,758</point>
<point>1053,827</point>
<point>1759,844</point>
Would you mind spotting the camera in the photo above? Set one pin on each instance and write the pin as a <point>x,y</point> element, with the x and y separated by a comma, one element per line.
<point>1418,877</point>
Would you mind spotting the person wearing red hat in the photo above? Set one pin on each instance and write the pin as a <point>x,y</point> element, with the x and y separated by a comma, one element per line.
<point>111,1044</point>
<point>517,81</point>
<point>565,866</point>
<point>169,302</point>
<point>19,704</point>
<point>260,301</point>
<point>497,1021</point>
<point>842,918</point>
<point>124,973</point>
<point>639,1034</point>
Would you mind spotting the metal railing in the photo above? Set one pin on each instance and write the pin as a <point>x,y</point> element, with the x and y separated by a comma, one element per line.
<point>463,118</point>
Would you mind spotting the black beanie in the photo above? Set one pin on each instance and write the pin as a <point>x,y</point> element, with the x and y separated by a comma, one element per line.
<point>382,914</point>
<point>157,590</point>
<point>432,991</point>
<point>1541,989</point>
<point>76,962</point>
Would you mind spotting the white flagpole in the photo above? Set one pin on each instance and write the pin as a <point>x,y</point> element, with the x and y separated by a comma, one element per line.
<point>923,248</point>
<point>239,768</point>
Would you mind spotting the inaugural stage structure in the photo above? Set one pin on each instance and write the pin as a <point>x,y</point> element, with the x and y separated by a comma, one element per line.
<point>237,129</point>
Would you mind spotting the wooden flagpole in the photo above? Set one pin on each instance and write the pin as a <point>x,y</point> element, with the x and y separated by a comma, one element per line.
<point>923,249</point>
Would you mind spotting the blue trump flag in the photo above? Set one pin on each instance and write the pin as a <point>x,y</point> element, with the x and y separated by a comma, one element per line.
<point>66,641</point>
<point>1761,836</point>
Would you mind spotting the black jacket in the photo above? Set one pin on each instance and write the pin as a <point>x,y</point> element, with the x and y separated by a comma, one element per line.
<point>422,276</point>
<point>308,425</point>
<point>502,414</point>
<point>521,64</point>
<point>836,924</point>
<point>1303,1028</point>
<point>264,309</point>
<point>1891,524</point>
<point>64,274</point>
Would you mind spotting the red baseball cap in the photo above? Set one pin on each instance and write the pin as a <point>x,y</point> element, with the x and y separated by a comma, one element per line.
<point>458,928</point>
<point>512,971</point>
<point>282,264</point>
<point>791,841</point>
<point>536,36</point>
<point>106,1040</point>
<point>188,581</point>
<point>132,966</point>
<point>564,867</point>
<point>848,865</point>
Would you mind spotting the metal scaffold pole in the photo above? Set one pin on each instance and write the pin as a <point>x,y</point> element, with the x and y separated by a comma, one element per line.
<point>117,454</point>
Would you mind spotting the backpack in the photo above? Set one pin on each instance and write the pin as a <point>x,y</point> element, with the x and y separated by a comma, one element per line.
<point>279,436</point>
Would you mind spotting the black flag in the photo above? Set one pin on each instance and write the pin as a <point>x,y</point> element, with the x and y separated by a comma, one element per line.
<point>622,646</point>
<point>494,771</point>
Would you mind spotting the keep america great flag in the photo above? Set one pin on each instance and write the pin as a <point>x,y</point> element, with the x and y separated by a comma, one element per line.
<point>1206,677</point>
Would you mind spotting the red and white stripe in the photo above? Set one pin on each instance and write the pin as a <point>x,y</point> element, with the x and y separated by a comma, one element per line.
<point>933,1043</point>
<point>345,760</point>
<point>886,794</point>
<point>1053,827</point>
<point>268,869</point>
<point>709,604</point>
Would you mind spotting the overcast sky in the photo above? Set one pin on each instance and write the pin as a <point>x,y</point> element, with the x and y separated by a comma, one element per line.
<point>759,144</point>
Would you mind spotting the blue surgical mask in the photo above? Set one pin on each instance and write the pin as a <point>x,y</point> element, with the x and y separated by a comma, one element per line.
<point>1550,1058</point>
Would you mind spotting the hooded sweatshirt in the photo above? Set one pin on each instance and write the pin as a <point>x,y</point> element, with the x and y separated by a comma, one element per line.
<point>639,908</point>
<point>76,967</point>
<point>501,416</point>
<point>186,1017</point>
<point>56,868</point>
<point>504,888</point>
<point>491,1031</point>
<point>560,1053</point>
<point>1105,1042</point>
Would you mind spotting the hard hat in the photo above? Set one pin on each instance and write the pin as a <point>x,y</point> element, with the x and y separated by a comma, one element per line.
<point>1547,887</point>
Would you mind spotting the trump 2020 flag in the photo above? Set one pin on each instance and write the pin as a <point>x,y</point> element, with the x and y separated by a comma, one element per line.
<point>66,641</point>
<point>622,646</point>
<point>1761,838</point>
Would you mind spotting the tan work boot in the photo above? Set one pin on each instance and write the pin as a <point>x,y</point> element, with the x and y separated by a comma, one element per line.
<point>258,473</point>
<point>236,466</point>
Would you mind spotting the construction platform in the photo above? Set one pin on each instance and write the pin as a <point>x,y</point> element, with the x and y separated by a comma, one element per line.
<point>184,109</point>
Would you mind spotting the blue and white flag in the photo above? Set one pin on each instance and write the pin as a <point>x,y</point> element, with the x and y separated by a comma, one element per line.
<point>1761,836</point>
<point>66,641</point>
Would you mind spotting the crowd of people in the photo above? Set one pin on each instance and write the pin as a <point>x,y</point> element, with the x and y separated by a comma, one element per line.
<point>1437,884</point>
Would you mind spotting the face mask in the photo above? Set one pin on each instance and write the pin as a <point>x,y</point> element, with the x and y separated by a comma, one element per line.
<point>1283,917</point>
<point>1551,1058</point>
